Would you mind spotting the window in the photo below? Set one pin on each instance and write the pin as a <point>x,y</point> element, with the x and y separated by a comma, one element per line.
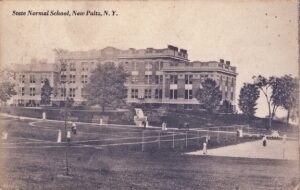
<point>173,94</point>
<point>21,102</point>
<point>173,79</point>
<point>84,66</point>
<point>72,67</point>
<point>63,67</point>
<point>231,96</point>
<point>160,65</point>
<point>188,79</point>
<point>158,93</point>
<point>226,81</point>
<point>72,92</point>
<point>83,92</point>
<point>32,92</point>
<point>147,93</point>
<point>158,79</point>
<point>134,66</point>
<point>32,79</point>
<point>148,79</point>
<point>148,66</point>
<point>134,79</point>
<point>173,64</point>
<point>43,78</point>
<point>84,78</point>
<point>226,94</point>
<point>22,91</point>
<point>72,78</point>
<point>188,94</point>
<point>134,93</point>
<point>63,78</point>
<point>22,78</point>
<point>63,92</point>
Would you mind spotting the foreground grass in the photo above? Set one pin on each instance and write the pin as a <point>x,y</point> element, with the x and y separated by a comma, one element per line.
<point>116,169</point>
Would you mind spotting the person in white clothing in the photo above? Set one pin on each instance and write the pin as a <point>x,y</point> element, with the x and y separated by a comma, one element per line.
<point>284,137</point>
<point>68,136</point>
<point>164,126</point>
<point>204,148</point>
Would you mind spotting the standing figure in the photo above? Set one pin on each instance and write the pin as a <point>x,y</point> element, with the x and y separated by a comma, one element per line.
<point>185,125</point>
<point>164,126</point>
<point>68,136</point>
<point>264,140</point>
<point>59,136</point>
<point>204,148</point>
<point>73,128</point>
<point>284,137</point>
<point>188,126</point>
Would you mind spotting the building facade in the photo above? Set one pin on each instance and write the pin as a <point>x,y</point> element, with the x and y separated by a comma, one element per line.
<point>30,78</point>
<point>156,76</point>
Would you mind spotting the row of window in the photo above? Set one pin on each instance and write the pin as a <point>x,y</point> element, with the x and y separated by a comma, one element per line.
<point>148,65</point>
<point>32,78</point>
<point>188,94</point>
<point>147,93</point>
<point>31,91</point>
<point>72,66</point>
<point>72,78</point>
<point>187,78</point>
<point>63,92</point>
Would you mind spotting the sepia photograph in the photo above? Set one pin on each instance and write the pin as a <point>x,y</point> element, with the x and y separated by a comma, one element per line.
<point>136,95</point>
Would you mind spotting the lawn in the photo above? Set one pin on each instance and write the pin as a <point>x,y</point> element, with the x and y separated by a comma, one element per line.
<point>27,161</point>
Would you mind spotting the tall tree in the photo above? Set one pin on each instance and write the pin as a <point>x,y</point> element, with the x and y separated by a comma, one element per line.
<point>106,86</point>
<point>247,99</point>
<point>265,85</point>
<point>6,91</point>
<point>209,95</point>
<point>46,92</point>
<point>284,94</point>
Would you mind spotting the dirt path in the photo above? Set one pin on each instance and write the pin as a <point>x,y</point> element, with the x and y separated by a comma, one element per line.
<point>275,149</point>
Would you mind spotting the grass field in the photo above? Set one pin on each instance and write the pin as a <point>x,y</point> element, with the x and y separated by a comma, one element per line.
<point>119,157</point>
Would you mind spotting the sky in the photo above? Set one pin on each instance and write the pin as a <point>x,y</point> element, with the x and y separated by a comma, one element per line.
<point>258,37</point>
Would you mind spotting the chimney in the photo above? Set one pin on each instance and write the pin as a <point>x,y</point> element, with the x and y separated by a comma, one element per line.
<point>221,60</point>
<point>227,62</point>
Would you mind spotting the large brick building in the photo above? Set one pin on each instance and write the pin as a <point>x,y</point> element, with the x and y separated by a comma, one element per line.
<point>156,76</point>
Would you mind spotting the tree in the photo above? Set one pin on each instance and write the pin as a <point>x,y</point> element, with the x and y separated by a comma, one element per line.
<point>46,92</point>
<point>6,91</point>
<point>265,85</point>
<point>284,94</point>
<point>209,95</point>
<point>106,86</point>
<point>249,94</point>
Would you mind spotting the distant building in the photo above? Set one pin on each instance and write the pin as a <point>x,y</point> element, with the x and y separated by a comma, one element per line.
<point>157,76</point>
<point>29,79</point>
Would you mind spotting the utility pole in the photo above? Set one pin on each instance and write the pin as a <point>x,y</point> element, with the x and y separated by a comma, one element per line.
<point>64,92</point>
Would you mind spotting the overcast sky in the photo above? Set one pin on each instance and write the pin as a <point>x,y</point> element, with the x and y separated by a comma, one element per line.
<point>258,37</point>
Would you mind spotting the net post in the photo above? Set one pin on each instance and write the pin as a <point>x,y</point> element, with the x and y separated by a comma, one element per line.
<point>198,139</point>
<point>218,136</point>
<point>173,139</point>
<point>159,140</point>
<point>143,141</point>
<point>226,134</point>
<point>186,140</point>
